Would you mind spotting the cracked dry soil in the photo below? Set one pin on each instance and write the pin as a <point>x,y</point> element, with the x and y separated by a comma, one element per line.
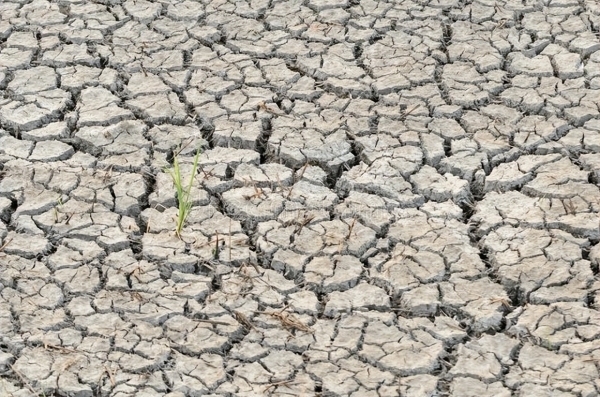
<point>394,198</point>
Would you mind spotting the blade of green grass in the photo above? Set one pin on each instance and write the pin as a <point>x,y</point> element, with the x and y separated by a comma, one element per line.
<point>183,192</point>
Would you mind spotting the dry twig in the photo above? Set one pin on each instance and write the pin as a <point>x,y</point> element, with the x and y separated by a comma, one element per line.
<point>280,383</point>
<point>5,244</point>
<point>406,113</point>
<point>505,302</point>
<point>242,319</point>
<point>214,322</point>
<point>22,379</point>
<point>288,320</point>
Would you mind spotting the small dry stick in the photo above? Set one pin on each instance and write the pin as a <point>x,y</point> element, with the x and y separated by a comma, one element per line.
<point>501,300</point>
<point>279,184</point>
<point>137,272</point>
<point>110,376</point>
<point>23,380</point>
<point>216,253</point>
<point>229,239</point>
<point>408,112</point>
<point>5,244</point>
<point>107,174</point>
<point>206,265</point>
<point>305,221</point>
<point>69,364</point>
<point>137,296</point>
<point>214,322</point>
<point>288,320</point>
<point>69,218</point>
<point>277,384</point>
<point>253,265</point>
<point>182,148</point>
<point>59,348</point>
<point>340,247</point>
<point>207,174</point>
<point>242,319</point>
<point>302,171</point>
<point>263,106</point>
<point>299,178</point>
<point>258,193</point>
<point>569,207</point>
<point>351,228</point>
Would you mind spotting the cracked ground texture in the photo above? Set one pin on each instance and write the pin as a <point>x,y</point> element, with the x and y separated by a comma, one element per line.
<point>393,198</point>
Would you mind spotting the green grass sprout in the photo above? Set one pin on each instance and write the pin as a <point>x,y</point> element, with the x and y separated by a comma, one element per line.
<point>184,199</point>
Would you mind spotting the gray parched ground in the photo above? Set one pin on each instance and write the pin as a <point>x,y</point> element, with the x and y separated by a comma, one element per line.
<point>394,198</point>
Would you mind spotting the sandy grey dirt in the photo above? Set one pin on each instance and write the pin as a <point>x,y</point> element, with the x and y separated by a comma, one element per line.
<point>393,198</point>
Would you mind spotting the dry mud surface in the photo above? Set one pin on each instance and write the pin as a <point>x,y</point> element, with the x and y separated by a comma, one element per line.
<point>393,198</point>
